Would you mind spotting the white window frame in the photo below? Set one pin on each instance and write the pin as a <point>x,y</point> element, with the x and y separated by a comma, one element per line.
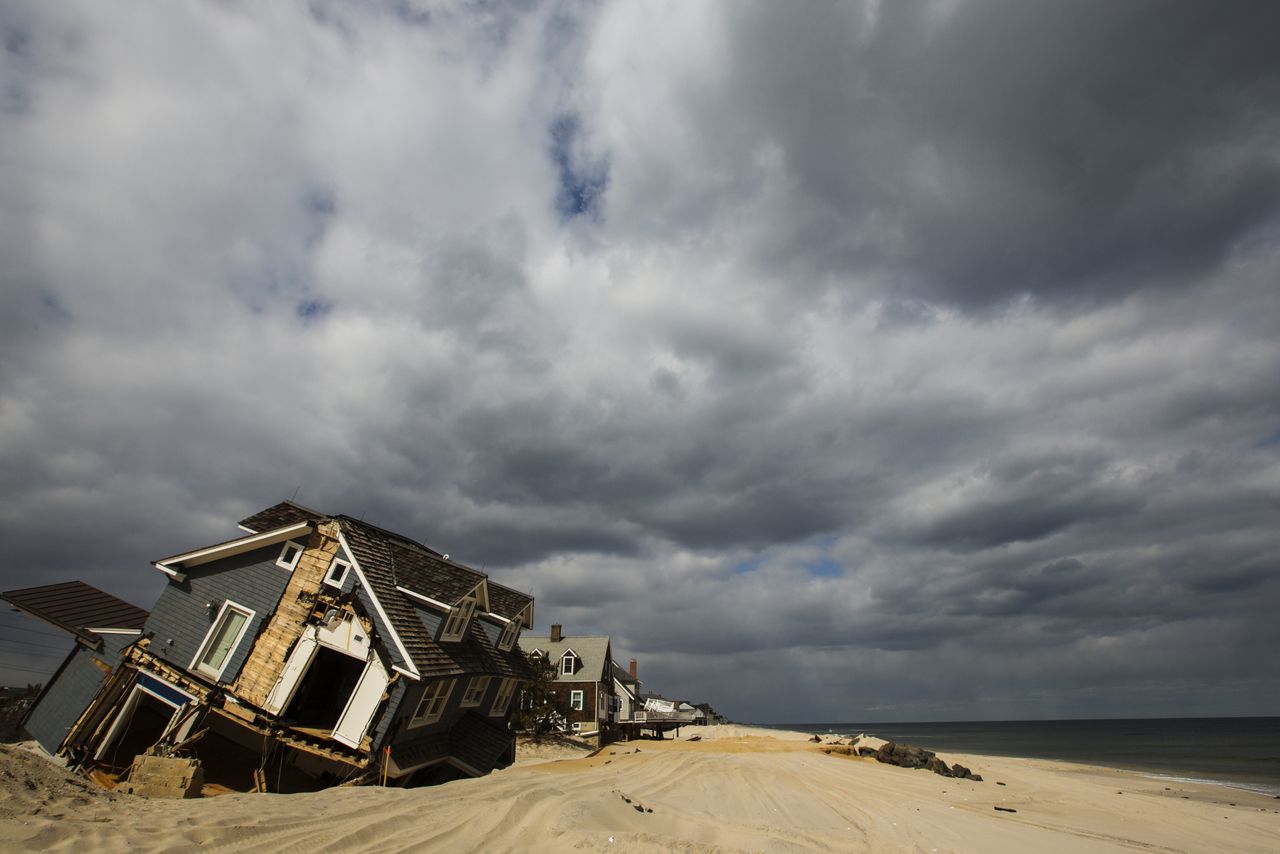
<point>577,700</point>
<point>475,692</point>
<point>568,663</point>
<point>510,634</point>
<point>342,575</point>
<point>287,561</point>
<point>432,705</point>
<point>502,700</point>
<point>197,663</point>
<point>459,616</point>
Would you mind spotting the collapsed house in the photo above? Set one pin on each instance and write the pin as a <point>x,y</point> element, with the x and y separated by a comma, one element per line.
<point>312,651</point>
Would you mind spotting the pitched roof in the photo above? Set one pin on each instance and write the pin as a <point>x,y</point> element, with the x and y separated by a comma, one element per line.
<point>77,607</point>
<point>506,602</point>
<point>279,516</point>
<point>390,561</point>
<point>593,650</point>
<point>430,574</point>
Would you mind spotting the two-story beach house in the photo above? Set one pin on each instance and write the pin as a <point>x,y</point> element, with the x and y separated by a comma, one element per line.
<point>584,678</point>
<point>311,649</point>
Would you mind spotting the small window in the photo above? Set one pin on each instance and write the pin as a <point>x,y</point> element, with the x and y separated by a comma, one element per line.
<point>459,616</point>
<point>289,555</point>
<point>568,664</point>
<point>575,700</point>
<point>577,726</point>
<point>503,698</point>
<point>337,572</point>
<point>475,691</point>
<point>220,643</point>
<point>431,706</point>
<point>510,632</point>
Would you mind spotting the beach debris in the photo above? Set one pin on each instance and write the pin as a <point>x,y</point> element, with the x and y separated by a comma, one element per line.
<point>998,783</point>
<point>815,738</point>
<point>1004,809</point>
<point>695,738</point>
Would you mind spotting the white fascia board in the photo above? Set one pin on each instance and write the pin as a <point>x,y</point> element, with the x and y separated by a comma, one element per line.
<point>235,547</point>
<point>246,530</point>
<point>115,631</point>
<point>373,597</point>
<point>483,597</point>
<point>172,573</point>
<point>416,595</point>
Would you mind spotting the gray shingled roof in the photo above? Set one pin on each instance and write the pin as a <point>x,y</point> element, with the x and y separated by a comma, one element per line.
<point>77,607</point>
<point>592,649</point>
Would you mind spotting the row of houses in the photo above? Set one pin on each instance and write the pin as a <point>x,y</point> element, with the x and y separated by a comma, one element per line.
<point>602,699</point>
<point>313,650</point>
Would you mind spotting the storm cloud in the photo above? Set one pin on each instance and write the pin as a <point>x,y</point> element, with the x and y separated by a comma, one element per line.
<point>915,360</point>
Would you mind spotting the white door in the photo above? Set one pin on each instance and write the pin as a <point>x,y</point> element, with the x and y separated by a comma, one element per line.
<point>358,714</point>
<point>303,651</point>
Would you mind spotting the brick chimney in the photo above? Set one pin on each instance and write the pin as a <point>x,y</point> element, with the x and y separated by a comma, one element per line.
<point>555,633</point>
<point>632,668</point>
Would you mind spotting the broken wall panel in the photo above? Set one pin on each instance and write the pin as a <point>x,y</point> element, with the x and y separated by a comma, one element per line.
<point>186,610</point>
<point>266,661</point>
<point>71,689</point>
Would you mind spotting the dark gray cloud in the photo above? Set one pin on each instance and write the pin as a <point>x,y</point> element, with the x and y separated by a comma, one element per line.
<point>911,360</point>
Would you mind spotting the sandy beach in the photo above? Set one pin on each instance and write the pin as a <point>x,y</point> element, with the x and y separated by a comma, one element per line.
<point>735,789</point>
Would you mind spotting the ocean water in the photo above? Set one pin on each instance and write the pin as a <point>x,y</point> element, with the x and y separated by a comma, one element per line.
<point>1240,752</point>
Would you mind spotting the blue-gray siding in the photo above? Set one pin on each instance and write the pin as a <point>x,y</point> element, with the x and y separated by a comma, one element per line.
<point>185,611</point>
<point>491,630</point>
<point>384,631</point>
<point>431,619</point>
<point>71,690</point>
<point>391,713</point>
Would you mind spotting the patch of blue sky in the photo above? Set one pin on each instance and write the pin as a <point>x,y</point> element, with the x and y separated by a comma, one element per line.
<point>582,182</point>
<point>825,568</point>
<point>743,567</point>
<point>313,310</point>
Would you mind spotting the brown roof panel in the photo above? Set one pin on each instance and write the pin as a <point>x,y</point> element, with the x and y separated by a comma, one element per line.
<point>433,576</point>
<point>506,602</point>
<point>280,515</point>
<point>76,607</point>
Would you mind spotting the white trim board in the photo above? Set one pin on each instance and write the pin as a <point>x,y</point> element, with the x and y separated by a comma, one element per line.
<point>412,672</point>
<point>169,565</point>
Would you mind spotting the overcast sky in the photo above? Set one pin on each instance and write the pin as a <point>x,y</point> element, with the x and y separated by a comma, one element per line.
<point>843,362</point>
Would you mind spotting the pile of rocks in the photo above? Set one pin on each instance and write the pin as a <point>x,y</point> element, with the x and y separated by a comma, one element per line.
<point>910,756</point>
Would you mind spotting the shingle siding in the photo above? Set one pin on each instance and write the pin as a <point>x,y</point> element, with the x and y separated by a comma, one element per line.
<point>70,692</point>
<point>182,617</point>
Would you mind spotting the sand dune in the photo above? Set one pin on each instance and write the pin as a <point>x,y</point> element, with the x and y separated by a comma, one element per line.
<point>738,789</point>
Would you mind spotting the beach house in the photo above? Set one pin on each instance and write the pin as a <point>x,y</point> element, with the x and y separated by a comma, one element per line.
<point>584,678</point>
<point>311,649</point>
